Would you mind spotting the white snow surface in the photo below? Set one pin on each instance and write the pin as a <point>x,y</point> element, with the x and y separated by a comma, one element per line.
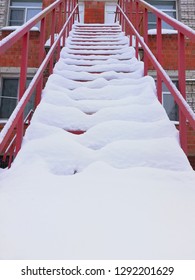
<point>163,31</point>
<point>12,28</point>
<point>123,189</point>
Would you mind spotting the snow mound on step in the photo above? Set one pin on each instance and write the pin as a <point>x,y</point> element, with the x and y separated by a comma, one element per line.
<point>107,132</point>
<point>74,157</point>
<point>73,119</point>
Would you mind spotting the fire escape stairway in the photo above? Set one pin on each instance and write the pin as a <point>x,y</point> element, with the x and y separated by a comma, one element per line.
<point>100,174</point>
<point>98,92</point>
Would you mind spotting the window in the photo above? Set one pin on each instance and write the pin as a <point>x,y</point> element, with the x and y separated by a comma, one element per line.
<point>21,11</point>
<point>9,97</point>
<point>167,6</point>
<point>169,104</point>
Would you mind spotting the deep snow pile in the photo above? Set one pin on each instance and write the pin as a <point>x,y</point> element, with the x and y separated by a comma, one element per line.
<point>121,190</point>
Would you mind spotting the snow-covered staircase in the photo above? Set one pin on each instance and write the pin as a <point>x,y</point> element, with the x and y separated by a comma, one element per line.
<point>98,88</point>
<point>100,174</point>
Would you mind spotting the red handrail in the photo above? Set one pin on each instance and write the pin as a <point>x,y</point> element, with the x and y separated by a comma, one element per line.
<point>184,31</point>
<point>15,125</point>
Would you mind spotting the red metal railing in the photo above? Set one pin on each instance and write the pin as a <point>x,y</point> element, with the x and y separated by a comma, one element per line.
<point>131,13</point>
<point>62,13</point>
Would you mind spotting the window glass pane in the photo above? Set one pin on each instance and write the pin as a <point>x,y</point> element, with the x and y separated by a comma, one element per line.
<point>151,17</point>
<point>7,107</point>
<point>171,14</point>
<point>8,98</point>
<point>25,11</point>
<point>169,104</point>
<point>10,87</point>
<point>16,17</point>
<point>163,5</point>
<point>170,107</point>
<point>30,104</point>
<point>169,7</point>
<point>31,13</point>
<point>166,25</point>
<point>151,21</point>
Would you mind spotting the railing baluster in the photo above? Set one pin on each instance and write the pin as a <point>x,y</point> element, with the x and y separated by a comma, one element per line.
<point>58,50</point>
<point>131,18</point>
<point>22,87</point>
<point>159,57</point>
<point>182,88</point>
<point>123,19</point>
<point>119,13</point>
<point>65,17</point>
<point>60,20</point>
<point>73,5</point>
<point>59,28</point>
<point>78,16</point>
<point>41,56</point>
<point>137,28</point>
<point>145,40</point>
<point>52,39</point>
<point>68,30</point>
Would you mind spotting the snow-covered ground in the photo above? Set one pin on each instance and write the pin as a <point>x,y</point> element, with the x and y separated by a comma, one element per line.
<point>122,190</point>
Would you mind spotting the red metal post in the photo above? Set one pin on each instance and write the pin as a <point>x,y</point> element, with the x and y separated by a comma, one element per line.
<point>123,19</point>
<point>145,40</point>
<point>24,62</point>
<point>22,87</point>
<point>159,57</point>
<point>58,50</point>
<point>68,30</point>
<point>182,88</point>
<point>131,17</point>
<point>41,57</point>
<point>60,19</point>
<point>52,39</point>
<point>78,17</point>
<point>120,15</point>
<point>73,5</point>
<point>59,28</point>
<point>137,28</point>
<point>65,10</point>
<point>65,16</point>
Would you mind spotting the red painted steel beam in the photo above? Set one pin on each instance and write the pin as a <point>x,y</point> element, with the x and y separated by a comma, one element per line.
<point>182,88</point>
<point>179,99</point>
<point>41,56</point>
<point>12,38</point>
<point>52,39</point>
<point>159,57</point>
<point>184,29</point>
<point>22,88</point>
<point>17,113</point>
<point>145,40</point>
<point>137,28</point>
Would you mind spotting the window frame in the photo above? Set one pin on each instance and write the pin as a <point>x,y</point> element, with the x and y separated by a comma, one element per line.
<point>152,24</point>
<point>23,8</point>
<point>166,92</point>
<point>7,77</point>
<point>7,97</point>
